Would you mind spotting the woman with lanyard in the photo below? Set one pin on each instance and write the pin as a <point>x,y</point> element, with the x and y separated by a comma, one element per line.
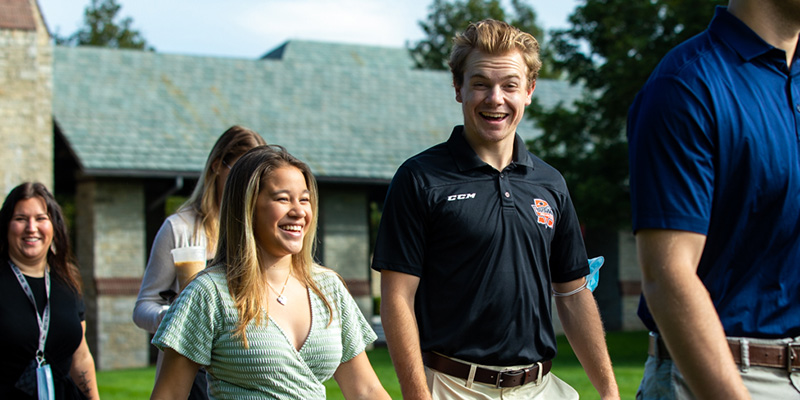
<point>41,308</point>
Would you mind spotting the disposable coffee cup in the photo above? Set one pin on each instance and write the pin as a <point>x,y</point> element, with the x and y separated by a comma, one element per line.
<point>188,262</point>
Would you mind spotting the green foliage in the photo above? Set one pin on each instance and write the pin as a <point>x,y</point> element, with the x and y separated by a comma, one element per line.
<point>173,203</point>
<point>446,18</point>
<point>68,210</point>
<point>100,29</point>
<point>611,49</point>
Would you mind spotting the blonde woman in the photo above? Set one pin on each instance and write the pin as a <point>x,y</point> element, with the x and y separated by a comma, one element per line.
<point>196,221</point>
<point>264,320</point>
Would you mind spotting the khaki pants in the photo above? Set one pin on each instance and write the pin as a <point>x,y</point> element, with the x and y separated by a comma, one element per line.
<point>446,387</point>
<point>663,381</point>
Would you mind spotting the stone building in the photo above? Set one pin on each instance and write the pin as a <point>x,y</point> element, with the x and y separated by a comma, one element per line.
<point>26,92</point>
<point>119,131</point>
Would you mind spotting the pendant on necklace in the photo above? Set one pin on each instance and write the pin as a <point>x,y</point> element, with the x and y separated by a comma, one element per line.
<point>282,300</point>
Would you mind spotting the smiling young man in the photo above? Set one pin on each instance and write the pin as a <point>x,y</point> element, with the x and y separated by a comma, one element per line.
<point>476,234</point>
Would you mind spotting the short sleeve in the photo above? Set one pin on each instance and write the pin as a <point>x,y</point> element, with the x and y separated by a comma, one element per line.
<point>400,244</point>
<point>189,325</point>
<point>356,331</point>
<point>670,128</point>
<point>568,260</point>
<point>81,308</point>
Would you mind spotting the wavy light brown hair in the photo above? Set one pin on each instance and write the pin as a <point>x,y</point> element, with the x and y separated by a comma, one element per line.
<point>495,38</point>
<point>238,248</point>
<point>60,258</point>
<point>234,142</point>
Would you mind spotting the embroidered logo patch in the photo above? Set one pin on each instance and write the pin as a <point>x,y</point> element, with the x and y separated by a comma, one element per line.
<point>544,214</point>
<point>463,196</point>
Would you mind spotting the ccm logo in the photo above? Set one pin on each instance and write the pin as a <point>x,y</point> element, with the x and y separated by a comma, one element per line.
<point>465,196</point>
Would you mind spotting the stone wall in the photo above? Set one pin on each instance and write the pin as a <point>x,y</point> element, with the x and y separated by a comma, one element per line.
<point>111,250</point>
<point>627,277</point>
<point>630,281</point>
<point>26,131</point>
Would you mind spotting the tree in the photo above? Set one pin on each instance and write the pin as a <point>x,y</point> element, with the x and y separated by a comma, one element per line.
<point>611,49</point>
<point>100,29</point>
<point>447,18</point>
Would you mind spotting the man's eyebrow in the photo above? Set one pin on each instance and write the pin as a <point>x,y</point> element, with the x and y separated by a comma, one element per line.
<point>507,77</point>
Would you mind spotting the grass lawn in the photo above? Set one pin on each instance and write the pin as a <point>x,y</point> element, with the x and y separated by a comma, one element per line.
<point>628,353</point>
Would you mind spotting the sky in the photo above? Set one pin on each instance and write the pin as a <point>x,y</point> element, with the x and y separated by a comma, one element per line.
<point>251,28</point>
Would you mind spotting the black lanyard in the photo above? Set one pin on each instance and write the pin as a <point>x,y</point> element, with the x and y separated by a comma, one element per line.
<point>44,320</point>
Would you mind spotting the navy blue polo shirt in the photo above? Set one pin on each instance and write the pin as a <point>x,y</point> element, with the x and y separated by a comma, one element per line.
<point>486,245</point>
<point>714,141</point>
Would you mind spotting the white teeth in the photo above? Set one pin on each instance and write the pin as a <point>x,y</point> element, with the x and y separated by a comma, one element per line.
<point>296,228</point>
<point>493,115</point>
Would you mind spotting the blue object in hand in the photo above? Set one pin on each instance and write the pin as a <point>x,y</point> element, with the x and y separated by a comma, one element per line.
<point>594,272</point>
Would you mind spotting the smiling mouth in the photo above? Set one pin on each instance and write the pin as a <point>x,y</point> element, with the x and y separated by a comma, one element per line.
<point>292,228</point>
<point>493,116</point>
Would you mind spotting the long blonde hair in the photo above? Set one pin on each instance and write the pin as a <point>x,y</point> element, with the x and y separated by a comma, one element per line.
<point>204,199</point>
<point>238,249</point>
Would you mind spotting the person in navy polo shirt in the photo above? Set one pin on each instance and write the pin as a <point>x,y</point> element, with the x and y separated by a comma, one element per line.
<point>715,185</point>
<point>476,235</point>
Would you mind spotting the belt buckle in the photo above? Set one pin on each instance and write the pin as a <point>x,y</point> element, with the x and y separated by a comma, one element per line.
<point>790,356</point>
<point>510,373</point>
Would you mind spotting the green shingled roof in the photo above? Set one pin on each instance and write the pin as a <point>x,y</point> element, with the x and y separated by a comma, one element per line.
<point>349,111</point>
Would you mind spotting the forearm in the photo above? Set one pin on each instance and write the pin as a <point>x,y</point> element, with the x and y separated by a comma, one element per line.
<point>398,292</point>
<point>159,276</point>
<point>147,314</point>
<point>691,329</point>
<point>402,338</point>
<point>584,330</point>
<point>358,381</point>
<point>83,374</point>
<point>685,314</point>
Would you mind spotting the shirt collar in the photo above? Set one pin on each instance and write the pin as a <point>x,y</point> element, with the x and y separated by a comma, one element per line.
<point>738,35</point>
<point>466,158</point>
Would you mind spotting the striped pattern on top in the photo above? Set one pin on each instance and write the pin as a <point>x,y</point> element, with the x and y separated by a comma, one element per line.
<point>200,324</point>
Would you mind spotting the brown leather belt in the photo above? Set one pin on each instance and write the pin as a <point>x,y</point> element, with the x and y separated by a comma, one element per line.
<point>498,379</point>
<point>786,356</point>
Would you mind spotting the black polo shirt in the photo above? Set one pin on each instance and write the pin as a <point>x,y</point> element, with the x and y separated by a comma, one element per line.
<point>486,245</point>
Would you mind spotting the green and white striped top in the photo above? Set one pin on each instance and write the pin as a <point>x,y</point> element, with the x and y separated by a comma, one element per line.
<point>200,325</point>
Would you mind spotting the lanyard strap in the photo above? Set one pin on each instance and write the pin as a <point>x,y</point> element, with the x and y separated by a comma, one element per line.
<point>43,321</point>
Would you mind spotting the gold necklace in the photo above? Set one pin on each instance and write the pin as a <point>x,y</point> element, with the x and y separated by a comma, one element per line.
<point>281,299</point>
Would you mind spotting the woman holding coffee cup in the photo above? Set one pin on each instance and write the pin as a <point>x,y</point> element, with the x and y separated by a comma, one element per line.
<point>42,324</point>
<point>194,226</point>
<point>264,320</point>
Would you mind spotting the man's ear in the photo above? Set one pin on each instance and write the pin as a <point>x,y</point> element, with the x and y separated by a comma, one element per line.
<point>458,92</point>
<point>530,94</point>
